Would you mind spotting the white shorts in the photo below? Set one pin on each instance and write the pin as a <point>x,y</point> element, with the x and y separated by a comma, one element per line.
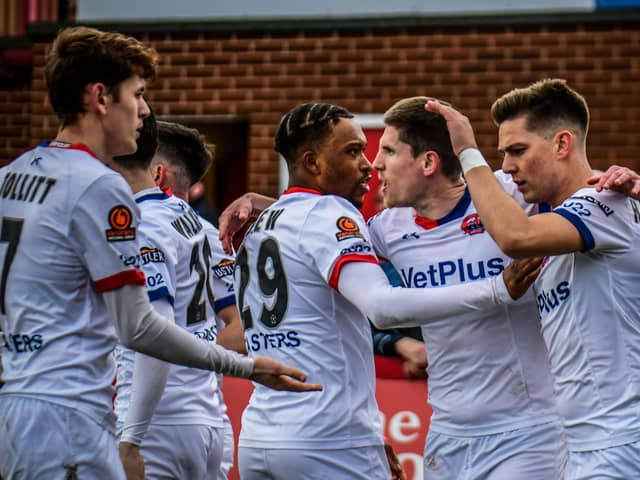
<point>532,453</point>
<point>189,452</point>
<point>621,462</point>
<point>42,440</point>
<point>363,463</point>
<point>228,451</point>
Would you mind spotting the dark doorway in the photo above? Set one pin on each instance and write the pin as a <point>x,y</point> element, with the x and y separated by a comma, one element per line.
<point>227,178</point>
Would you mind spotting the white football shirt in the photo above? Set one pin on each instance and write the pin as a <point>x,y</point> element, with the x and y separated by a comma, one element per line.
<point>286,277</point>
<point>176,258</point>
<point>589,304</point>
<point>488,371</point>
<point>67,220</point>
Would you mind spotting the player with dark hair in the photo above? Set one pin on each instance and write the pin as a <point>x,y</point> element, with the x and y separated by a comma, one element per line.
<point>67,223</point>
<point>301,296</point>
<point>179,257</point>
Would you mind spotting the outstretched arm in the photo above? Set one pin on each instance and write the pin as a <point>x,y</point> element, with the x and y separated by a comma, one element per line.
<point>517,234</point>
<point>142,329</point>
<point>389,307</point>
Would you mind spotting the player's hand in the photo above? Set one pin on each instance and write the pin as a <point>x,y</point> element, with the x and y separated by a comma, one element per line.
<point>276,375</point>
<point>414,354</point>
<point>132,461</point>
<point>236,218</point>
<point>459,126</point>
<point>520,274</point>
<point>397,472</point>
<point>621,179</point>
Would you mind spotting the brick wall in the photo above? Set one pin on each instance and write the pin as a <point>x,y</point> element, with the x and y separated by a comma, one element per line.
<point>260,76</point>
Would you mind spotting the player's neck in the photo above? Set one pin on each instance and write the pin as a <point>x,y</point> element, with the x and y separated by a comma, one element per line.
<point>86,134</point>
<point>138,179</point>
<point>439,199</point>
<point>573,178</point>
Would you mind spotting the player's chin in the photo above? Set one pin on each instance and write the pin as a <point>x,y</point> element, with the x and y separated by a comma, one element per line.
<point>357,200</point>
<point>127,148</point>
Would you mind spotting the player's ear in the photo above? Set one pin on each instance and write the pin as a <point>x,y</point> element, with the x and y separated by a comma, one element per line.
<point>311,163</point>
<point>563,142</point>
<point>96,94</point>
<point>430,162</point>
<point>159,174</point>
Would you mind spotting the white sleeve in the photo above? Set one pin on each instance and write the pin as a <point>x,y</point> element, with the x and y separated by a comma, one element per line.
<point>142,329</point>
<point>389,307</point>
<point>149,379</point>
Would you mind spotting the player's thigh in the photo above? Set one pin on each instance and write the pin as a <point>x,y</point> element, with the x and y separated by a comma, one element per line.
<point>532,453</point>
<point>39,439</point>
<point>227,454</point>
<point>445,457</point>
<point>182,451</point>
<point>621,462</point>
<point>360,463</point>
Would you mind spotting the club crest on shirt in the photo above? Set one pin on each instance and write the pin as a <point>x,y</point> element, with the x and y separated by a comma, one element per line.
<point>120,218</point>
<point>471,225</point>
<point>347,228</point>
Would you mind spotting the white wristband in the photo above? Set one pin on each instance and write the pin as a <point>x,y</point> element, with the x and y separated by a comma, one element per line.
<point>501,294</point>
<point>471,158</point>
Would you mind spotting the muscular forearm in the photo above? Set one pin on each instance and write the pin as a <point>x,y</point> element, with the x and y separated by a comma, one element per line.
<point>501,215</point>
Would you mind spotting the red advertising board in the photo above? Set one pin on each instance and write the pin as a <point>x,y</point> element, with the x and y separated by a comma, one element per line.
<point>403,409</point>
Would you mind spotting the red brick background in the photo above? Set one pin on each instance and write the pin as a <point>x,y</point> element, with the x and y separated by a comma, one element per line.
<point>259,76</point>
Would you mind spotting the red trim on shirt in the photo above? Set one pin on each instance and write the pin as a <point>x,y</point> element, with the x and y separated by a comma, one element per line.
<point>126,277</point>
<point>424,222</point>
<point>301,190</point>
<point>353,257</point>
<point>167,190</point>
<point>76,146</point>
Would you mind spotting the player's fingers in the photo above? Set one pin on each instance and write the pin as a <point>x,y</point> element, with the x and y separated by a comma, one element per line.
<point>436,107</point>
<point>596,181</point>
<point>532,275</point>
<point>226,244</point>
<point>531,265</point>
<point>522,267</point>
<point>619,178</point>
<point>294,373</point>
<point>243,213</point>
<point>291,384</point>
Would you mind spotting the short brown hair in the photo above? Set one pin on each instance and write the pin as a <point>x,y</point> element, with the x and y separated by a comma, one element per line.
<point>81,55</point>
<point>548,105</point>
<point>424,131</point>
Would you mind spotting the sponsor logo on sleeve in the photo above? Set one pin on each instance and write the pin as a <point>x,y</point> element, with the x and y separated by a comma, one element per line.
<point>583,209</point>
<point>471,225</point>
<point>347,228</point>
<point>224,268</point>
<point>120,221</point>
<point>151,255</point>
